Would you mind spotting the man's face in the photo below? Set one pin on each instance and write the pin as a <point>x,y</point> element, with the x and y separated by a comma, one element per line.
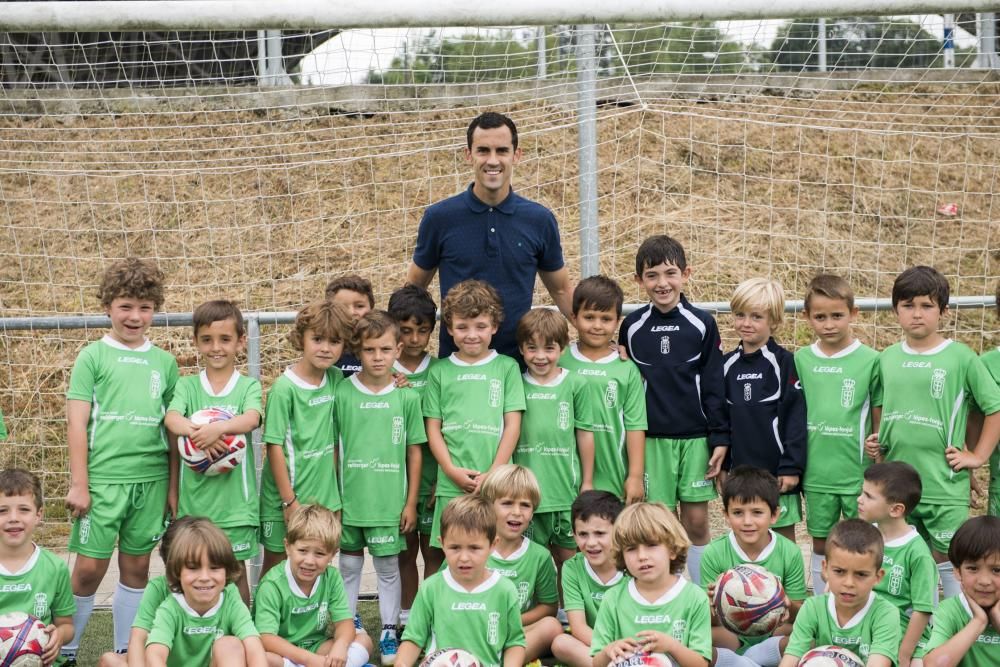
<point>492,157</point>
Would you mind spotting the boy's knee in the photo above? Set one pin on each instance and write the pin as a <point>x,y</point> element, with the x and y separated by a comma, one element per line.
<point>134,570</point>
<point>547,628</point>
<point>227,651</point>
<point>564,645</point>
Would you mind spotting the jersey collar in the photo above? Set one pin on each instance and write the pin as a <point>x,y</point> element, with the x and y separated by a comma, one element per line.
<point>518,553</point>
<point>764,554</point>
<point>26,568</point>
<point>294,585</point>
<point>619,575</point>
<point>490,582</point>
<point>563,374</point>
<point>965,604</point>
<point>365,390</point>
<point>146,346</point>
<point>670,595</point>
<point>191,612</point>
<point>579,356</point>
<point>836,355</point>
<point>508,206</point>
<point>453,358</point>
<point>206,386</point>
<point>831,609</point>
<point>400,368</point>
<point>301,383</point>
<point>926,353</point>
<point>905,538</point>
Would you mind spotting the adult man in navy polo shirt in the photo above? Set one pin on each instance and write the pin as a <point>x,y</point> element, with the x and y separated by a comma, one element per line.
<point>490,233</point>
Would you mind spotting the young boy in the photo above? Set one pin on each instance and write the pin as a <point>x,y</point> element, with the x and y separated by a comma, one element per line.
<point>119,390</point>
<point>991,360</point>
<point>614,393</point>
<point>556,441</point>
<point>298,604</point>
<point>927,382</point>
<point>890,492</point>
<point>34,580</point>
<point>466,605</point>
<point>966,631</point>
<point>850,614</point>
<point>657,610</point>
<point>751,502</point>
<point>513,492</point>
<point>589,575</point>
<point>416,313</point>
<point>767,414</point>
<point>381,431</point>
<point>474,398</point>
<point>231,500</point>
<point>299,430</point>
<point>843,393</point>
<point>679,352</point>
<point>355,294</point>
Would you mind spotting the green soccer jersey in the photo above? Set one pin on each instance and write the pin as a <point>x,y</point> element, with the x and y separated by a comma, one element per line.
<point>418,382</point>
<point>682,612</point>
<point>189,636</point>
<point>547,444</point>
<point>471,400</point>
<point>950,617</point>
<point>924,411</point>
<point>781,557</point>
<point>582,589</point>
<point>374,430</point>
<point>231,499</point>
<point>874,629</point>
<point>615,401</point>
<point>128,391</point>
<point>156,591</point>
<point>485,621</point>
<point>281,608</point>
<point>299,417</point>
<point>532,571</point>
<point>841,391</point>
<point>40,588</point>
<point>911,576</point>
<point>991,360</point>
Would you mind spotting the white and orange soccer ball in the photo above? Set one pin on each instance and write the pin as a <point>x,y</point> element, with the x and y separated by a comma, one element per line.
<point>450,657</point>
<point>830,656</point>
<point>749,601</point>
<point>642,658</point>
<point>196,460</point>
<point>22,640</point>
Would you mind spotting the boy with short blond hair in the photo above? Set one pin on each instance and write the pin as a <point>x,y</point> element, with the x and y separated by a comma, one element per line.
<point>231,500</point>
<point>767,414</point>
<point>474,398</point>
<point>556,441</point>
<point>119,389</point>
<point>613,389</point>
<point>355,294</point>
<point>299,429</point>
<point>843,392</point>
<point>679,353</point>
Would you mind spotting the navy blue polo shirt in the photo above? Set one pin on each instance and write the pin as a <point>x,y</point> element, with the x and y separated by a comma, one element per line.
<point>504,245</point>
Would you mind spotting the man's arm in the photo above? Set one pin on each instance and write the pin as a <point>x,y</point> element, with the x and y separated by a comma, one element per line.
<point>560,288</point>
<point>418,276</point>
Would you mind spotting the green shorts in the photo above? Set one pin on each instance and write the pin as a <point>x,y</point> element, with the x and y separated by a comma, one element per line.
<point>552,528</point>
<point>244,540</point>
<point>937,523</point>
<point>675,470</point>
<point>823,510</point>
<point>272,535</point>
<point>789,510</point>
<point>131,514</point>
<point>425,515</point>
<point>379,540</point>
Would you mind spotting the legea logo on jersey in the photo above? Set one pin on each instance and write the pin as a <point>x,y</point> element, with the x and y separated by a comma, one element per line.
<point>496,388</point>
<point>937,382</point>
<point>204,630</point>
<point>747,391</point>
<point>41,605</point>
<point>562,420</point>
<point>397,430</point>
<point>493,628</point>
<point>154,384</point>
<point>85,529</point>
<point>895,579</point>
<point>847,393</point>
<point>611,394</point>
<point>664,344</point>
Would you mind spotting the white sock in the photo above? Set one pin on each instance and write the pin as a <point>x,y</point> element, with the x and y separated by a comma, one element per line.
<point>390,589</point>
<point>357,655</point>
<point>816,567</point>
<point>726,658</point>
<point>949,584</point>
<point>84,605</point>
<point>124,606</point>
<point>694,562</point>
<point>766,654</point>
<point>350,571</point>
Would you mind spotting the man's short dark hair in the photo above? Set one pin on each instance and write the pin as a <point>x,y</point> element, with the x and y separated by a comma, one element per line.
<point>899,482</point>
<point>659,249</point>
<point>490,120</point>
<point>603,504</point>
<point>921,281</point>
<point>979,537</point>
<point>746,484</point>
<point>598,293</point>
<point>413,302</point>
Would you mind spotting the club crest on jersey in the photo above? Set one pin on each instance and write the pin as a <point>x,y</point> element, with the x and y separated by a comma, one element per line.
<point>154,384</point>
<point>41,605</point>
<point>522,592</point>
<point>562,419</point>
<point>323,616</point>
<point>847,393</point>
<point>747,391</point>
<point>268,527</point>
<point>937,382</point>
<point>678,629</point>
<point>611,394</point>
<point>397,430</point>
<point>493,628</point>
<point>664,344</point>
<point>496,388</point>
<point>895,579</point>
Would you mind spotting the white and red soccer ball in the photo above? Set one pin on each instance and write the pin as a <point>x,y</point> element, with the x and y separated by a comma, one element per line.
<point>640,658</point>
<point>749,601</point>
<point>450,657</point>
<point>830,656</point>
<point>197,460</point>
<point>22,640</point>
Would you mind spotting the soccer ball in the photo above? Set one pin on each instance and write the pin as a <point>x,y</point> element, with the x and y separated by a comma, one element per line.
<point>22,640</point>
<point>749,601</point>
<point>642,658</point>
<point>450,657</point>
<point>830,656</point>
<point>196,460</point>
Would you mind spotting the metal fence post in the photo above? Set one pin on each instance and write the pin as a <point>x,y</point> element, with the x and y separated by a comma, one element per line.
<point>257,437</point>
<point>586,113</point>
